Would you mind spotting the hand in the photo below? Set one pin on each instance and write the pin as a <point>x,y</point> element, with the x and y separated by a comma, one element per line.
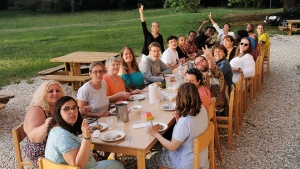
<point>208,40</point>
<point>182,60</point>
<point>86,109</point>
<point>136,91</point>
<point>184,71</point>
<point>176,115</point>
<point>152,130</point>
<point>125,95</point>
<point>209,15</point>
<point>161,74</point>
<point>105,114</point>
<point>86,129</point>
<point>172,79</point>
<point>205,22</point>
<point>207,53</point>
<point>47,122</point>
<point>141,9</point>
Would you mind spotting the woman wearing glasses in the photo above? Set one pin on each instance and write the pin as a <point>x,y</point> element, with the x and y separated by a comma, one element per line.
<point>243,61</point>
<point>194,76</point>
<point>129,70</point>
<point>116,88</point>
<point>63,145</point>
<point>92,99</point>
<point>37,119</point>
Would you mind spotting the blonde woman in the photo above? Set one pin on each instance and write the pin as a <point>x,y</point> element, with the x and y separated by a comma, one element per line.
<point>37,119</point>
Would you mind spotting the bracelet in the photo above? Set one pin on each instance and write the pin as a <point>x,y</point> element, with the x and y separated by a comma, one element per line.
<point>86,138</point>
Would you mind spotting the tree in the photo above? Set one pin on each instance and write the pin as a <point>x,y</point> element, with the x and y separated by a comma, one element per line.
<point>183,5</point>
<point>287,4</point>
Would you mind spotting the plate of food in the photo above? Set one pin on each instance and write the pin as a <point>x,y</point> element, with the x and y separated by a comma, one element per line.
<point>99,126</point>
<point>136,97</point>
<point>166,106</point>
<point>170,75</point>
<point>113,111</point>
<point>112,135</point>
<point>160,126</point>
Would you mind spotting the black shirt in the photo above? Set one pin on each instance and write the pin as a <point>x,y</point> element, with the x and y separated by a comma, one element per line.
<point>180,53</point>
<point>148,39</point>
<point>200,41</point>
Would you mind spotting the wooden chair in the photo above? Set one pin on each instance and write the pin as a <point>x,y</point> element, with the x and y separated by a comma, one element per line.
<point>249,84</point>
<point>229,118</point>
<point>18,136</point>
<point>267,59</point>
<point>261,64</point>
<point>241,100</point>
<point>47,164</point>
<point>201,142</point>
<point>258,65</point>
<point>211,114</point>
<point>238,104</point>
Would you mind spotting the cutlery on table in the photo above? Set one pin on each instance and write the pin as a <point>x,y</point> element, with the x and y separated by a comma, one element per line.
<point>121,141</point>
<point>151,122</point>
<point>170,103</point>
<point>129,141</point>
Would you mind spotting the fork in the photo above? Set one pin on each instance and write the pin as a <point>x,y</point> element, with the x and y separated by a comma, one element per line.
<point>170,103</point>
<point>121,141</point>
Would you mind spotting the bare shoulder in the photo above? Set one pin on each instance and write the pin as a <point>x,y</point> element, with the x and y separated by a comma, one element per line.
<point>122,71</point>
<point>34,117</point>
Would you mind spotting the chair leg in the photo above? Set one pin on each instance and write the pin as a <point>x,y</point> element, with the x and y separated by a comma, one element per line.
<point>215,165</point>
<point>268,67</point>
<point>236,116</point>
<point>216,137</point>
<point>245,99</point>
<point>251,92</point>
<point>230,133</point>
<point>241,109</point>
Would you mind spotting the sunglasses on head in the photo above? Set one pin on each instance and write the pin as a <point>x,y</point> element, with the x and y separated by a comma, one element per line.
<point>245,44</point>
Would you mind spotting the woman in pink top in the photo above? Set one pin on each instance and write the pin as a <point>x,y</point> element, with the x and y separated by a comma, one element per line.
<point>116,89</point>
<point>194,76</point>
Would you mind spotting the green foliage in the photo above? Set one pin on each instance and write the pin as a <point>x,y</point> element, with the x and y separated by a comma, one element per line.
<point>17,82</point>
<point>30,81</point>
<point>183,5</point>
<point>230,2</point>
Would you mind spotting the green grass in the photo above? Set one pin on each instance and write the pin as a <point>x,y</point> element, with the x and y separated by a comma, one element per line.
<point>28,40</point>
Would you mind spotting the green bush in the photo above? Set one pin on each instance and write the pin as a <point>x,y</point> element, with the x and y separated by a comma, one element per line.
<point>183,5</point>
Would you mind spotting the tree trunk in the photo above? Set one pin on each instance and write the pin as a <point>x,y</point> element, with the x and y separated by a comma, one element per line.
<point>254,3</point>
<point>287,4</point>
<point>72,6</point>
<point>259,3</point>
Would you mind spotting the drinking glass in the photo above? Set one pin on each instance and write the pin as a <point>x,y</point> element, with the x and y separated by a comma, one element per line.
<point>121,126</point>
<point>144,117</point>
<point>135,102</point>
<point>157,103</point>
<point>168,82</point>
<point>110,122</point>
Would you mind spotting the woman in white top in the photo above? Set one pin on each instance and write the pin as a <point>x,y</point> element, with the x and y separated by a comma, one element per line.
<point>222,32</point>
<point>92,99</point>
<point>243,61</point>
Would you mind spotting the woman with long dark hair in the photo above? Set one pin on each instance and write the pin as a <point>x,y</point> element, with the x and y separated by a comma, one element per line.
<point>63,145</point>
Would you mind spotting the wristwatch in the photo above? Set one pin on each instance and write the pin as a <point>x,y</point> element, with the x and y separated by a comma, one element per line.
<point>239,69</point>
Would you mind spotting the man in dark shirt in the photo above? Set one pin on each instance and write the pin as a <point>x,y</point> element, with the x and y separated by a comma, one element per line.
<point>205,38</point>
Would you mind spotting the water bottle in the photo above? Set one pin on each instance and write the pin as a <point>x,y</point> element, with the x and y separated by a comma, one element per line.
<point>180,73</point>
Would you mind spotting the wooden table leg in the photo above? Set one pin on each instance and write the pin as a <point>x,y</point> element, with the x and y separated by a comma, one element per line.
<point>75,71</point>
<point>141,159</point>
<point>290,28</point>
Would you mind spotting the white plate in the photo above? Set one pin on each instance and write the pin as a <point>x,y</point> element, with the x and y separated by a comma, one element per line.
<point>170,75</point>
<point>137,97</point>
<point>165,106</point>
<point>112,134</point>
<point>104,125</point>
<point>155,123</point>
<point>113,111</point>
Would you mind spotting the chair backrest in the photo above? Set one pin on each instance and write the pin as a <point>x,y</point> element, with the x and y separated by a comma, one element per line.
<point>201,142</point>
<point>269,51</point>
<point>18,136</point>
<point>211,109</point>
<point>47,164</point>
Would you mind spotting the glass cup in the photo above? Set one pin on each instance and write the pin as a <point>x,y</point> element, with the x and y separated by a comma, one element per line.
<point>176,77</point>
<point>121,126</point>
<point>144,117</point>
<point>168,82</point>
<point>157,103</point>
<point>110,122</point>
<point>135,102</point>
<point>146,95</point>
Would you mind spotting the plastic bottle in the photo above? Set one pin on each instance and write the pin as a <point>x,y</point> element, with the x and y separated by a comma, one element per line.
<point>180,73</point>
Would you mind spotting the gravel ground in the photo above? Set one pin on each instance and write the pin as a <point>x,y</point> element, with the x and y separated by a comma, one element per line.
<point>269,136</point>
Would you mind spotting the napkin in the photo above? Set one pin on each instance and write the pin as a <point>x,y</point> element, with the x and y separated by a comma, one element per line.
<point>96,133</point>
<point>141,125</point>
<point>174,87</point>
<point>168,96</point>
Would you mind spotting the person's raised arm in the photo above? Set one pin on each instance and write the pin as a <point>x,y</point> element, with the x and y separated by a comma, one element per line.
<point>201,27</point>
<point>142,13</point>
<point>210,18</point>
<point>210,59</point>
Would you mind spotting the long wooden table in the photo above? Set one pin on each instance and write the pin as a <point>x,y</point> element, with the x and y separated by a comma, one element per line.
<point>141,141</point>
<point>4,97</point>
<point>290,26</point>
<point>81,58</point>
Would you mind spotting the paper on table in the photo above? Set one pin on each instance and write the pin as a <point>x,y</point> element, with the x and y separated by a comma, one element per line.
<point>174,87</point>
<point>140,125</point>
<point>168,96</point>
<point>96,133</point>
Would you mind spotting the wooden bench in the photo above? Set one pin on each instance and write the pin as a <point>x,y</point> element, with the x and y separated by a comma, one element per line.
<point>58,70</point>
<point>4,97</point>
<point>283,28</point>
<point>67,79</point>
<point>2,106</point>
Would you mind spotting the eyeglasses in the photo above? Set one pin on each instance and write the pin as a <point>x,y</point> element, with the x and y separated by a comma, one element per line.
<point>101,72</point>
<point>68,109</point>
<point>115,65</point>
<point>201,61</point>
<point>245,44</point>
<point>155,51</point>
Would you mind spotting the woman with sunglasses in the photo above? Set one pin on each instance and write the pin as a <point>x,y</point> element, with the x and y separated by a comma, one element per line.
<point>92,99</point>
<point>63,145</point>
<point>243,61</point>
<point>194,76</point>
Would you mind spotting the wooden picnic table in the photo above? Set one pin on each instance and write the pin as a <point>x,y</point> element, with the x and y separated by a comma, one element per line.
<point>2,106</point>
<point>81,58</point>
<point>141,141</point>
<point>4,97</point>
<point>290,27</point>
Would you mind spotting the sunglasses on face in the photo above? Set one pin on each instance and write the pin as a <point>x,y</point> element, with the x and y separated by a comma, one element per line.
<point>245,44</point>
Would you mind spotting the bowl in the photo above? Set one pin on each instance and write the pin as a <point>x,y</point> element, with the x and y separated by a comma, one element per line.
<point>136,109</point>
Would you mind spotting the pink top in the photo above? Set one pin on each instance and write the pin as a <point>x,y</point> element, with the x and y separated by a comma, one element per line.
<point>113,89</point>
<point>205,96</point>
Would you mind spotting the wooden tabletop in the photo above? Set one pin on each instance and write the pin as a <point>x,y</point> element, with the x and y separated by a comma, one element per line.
<point>2,106</point>
<point>6,96</point>
<point>84,57</point>
<point>293,21</point>
<point>141,139</point>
